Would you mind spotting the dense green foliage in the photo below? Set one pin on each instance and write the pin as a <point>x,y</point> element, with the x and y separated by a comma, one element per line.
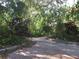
<point>11,40</point>
<point>51,21</point>
<point>31,18</point>
<point>13,25</point>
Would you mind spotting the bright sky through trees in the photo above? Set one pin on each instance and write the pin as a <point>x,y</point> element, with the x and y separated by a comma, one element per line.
<point>68,3</point>
<point>71,2</point>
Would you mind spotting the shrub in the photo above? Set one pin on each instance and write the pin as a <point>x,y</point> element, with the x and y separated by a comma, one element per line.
<point>14,33</point>
<point>19,27</point>
<point>71,31</point>
<point>71,28</point>
<point>11,40</point>
<point>47,29</point>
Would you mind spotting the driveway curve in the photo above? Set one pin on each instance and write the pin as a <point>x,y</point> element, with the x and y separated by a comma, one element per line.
<point>47,48</point>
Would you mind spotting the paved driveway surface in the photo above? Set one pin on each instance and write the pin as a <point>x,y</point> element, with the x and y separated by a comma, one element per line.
<point>47,49</point>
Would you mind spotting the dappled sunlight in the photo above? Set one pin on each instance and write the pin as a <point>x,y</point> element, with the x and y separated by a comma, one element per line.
<point>37,45</point>
<point>33,55</point>
<point>39,29</point>
<point>24,54</point>
<point>47,49</point>
<point>68,50</point>
<point>44,56</point>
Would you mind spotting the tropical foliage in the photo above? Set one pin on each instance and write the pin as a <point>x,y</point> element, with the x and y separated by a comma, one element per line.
<point>38,18</point>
